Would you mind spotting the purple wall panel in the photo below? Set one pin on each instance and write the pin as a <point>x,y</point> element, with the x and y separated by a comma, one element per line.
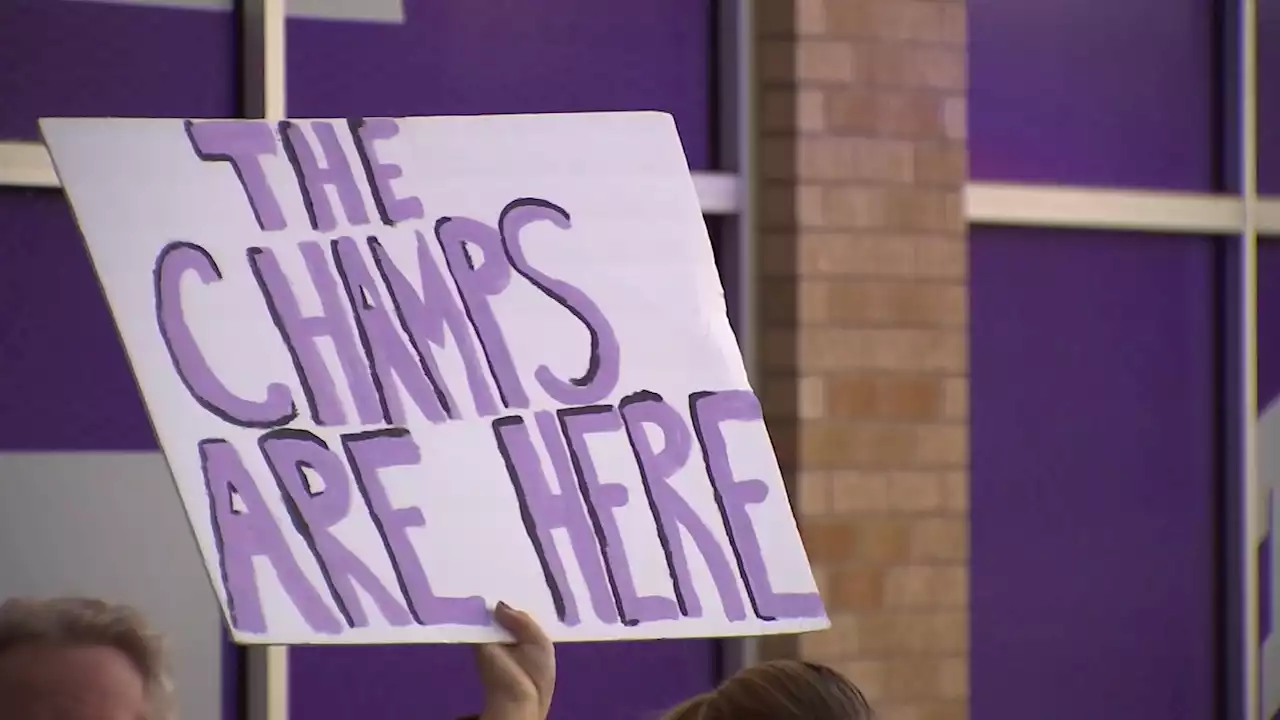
<point>1268,321</point>
<point>513,56</point>
<point>1269,98</point>
<point>65,382</point>
<point>95,59</point>
<point>1111,93</point>
<point>627,681</point>
<point>1094,476</point>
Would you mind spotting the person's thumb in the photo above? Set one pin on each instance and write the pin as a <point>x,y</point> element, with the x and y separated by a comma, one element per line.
<point>520,624</point>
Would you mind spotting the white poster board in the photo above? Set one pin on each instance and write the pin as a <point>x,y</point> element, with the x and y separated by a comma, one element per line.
<point>403,369</point>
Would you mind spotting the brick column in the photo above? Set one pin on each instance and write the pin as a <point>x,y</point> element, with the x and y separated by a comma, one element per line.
<point>864,305</point>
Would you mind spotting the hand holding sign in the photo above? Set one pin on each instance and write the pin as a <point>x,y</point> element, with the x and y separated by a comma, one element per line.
<point>403,367</point>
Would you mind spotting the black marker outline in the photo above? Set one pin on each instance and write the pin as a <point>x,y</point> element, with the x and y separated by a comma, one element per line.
<point>219,542</point>
<point>593,360</point>
<point>297,517</point>
<point>306,599</point>
<point>527,517</point>
<point>466,309</point>
<point>188,127</point>
<point>377,252</point>
<point>215,410</point>
<point>291,154</point>
<point>636,398</point>
<point>252,254</point>
<point>584,488</point>
<point>695,422</point>
<point>362,334</point>
<point>349,440</point>
<point>356,126</point>
<point>291,144</point>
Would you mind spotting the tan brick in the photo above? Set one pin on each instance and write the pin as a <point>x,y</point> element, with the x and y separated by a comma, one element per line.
<point>916,587</point>
<point>918,66</point>
<point>866,255</point>
<point>956,492</point>
<point>811,16</point>
<point>910,114</point>
<point>946,710</point>
<point>954,24</point>
<point>955,398</point>
<point>859,492</point>
<point>840,349</point>
<point>953,678</point>
<point>881,540</point>
<point>955,118</point>
<point>941,258</point>
<point>865,347</point>
<point>916,492</point>
<point>813,493</point>
<point>941,446</point>
<point>884,397</point>
<point>805,302</point>
<point>898,304</point>
<point>857,589</point>
<point>939,539</point>
<point>891,208</point>
<point>850,19</point>
<point>824,158</point>
<point>791,109</point>
<point>835,644</point>
<point>812,397</point>
<point>810,211</point>
<point>870,676</point>
<point>899,710</point>
<point>825,62</point>
<point>916,678</point>
<point>852,110</point>
<point>919,20</point>
<point>833,445</point>
<point>941,163</point>
<point>828,542</point>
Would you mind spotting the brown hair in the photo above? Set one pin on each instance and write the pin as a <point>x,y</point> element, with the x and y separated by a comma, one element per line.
<point>91,622</point>
<point>779,690</point>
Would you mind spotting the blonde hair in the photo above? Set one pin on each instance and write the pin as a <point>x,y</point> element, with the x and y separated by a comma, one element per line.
<point>90,622</point>
<point>779,690</point>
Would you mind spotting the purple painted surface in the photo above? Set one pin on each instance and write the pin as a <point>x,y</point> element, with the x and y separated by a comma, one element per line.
<point>1268,392</point>
<point>1071,92</point>
<point>513,56</point>
<point>626,681</point>
<point>95,59</point>
<point>1094,479</point>
<point>66,383</point>
<point>1268,318</point>
<point>1268,98</point>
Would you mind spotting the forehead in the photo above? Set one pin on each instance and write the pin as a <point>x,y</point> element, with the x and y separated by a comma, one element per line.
<point>50,682</point>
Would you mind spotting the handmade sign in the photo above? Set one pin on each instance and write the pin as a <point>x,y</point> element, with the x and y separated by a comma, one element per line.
<point>403,369</point>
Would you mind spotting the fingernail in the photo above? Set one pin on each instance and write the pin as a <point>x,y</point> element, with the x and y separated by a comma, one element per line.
<point>502,607</point>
